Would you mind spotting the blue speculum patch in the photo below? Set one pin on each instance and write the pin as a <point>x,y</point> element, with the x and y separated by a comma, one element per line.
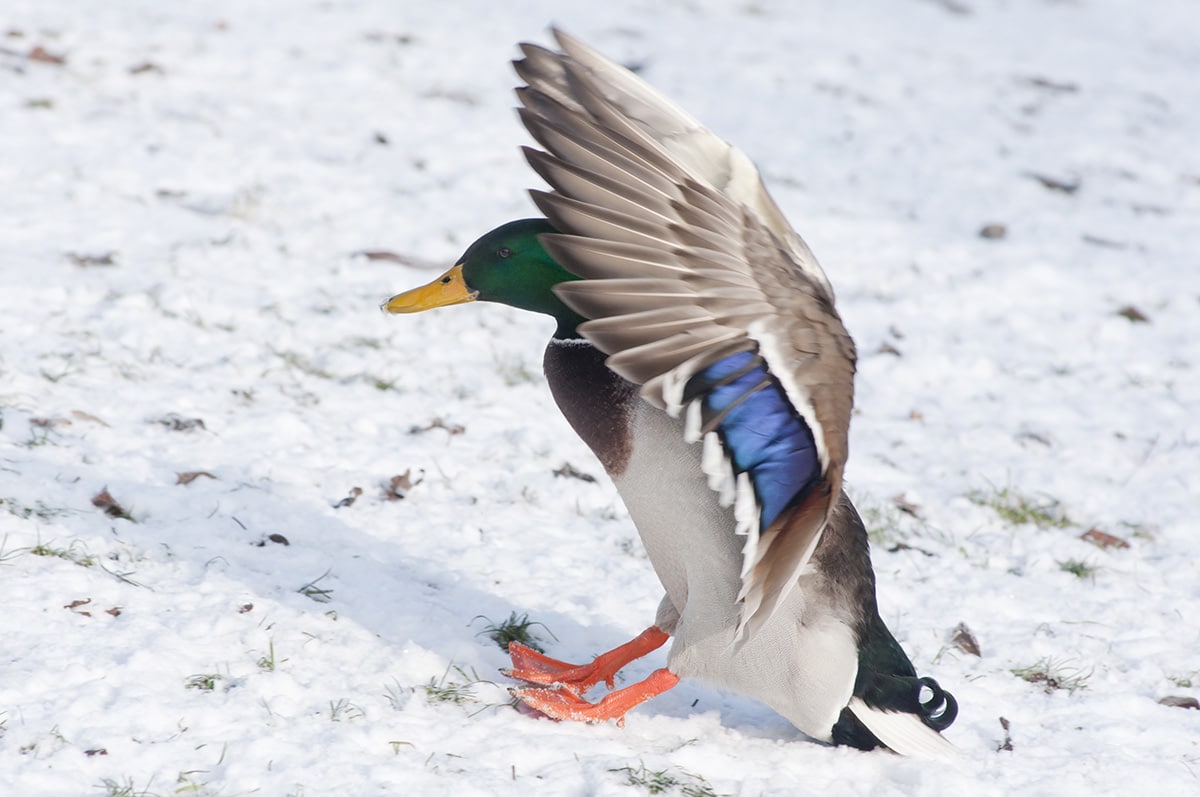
<point>760,429</point>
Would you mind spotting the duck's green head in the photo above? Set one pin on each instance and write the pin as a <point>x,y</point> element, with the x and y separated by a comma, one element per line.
<point>507,265</point>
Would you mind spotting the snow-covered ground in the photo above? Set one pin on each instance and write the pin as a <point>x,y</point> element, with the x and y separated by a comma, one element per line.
<point>188,191</point>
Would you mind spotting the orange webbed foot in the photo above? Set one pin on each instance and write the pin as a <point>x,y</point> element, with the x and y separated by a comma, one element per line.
<point>537,668</point>
<point>561,703</point>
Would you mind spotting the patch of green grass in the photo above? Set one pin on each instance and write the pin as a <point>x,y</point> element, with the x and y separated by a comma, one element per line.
<point>1018,509</point>
<point>667,781</point>
<point>319,594</point>
<point>343,710</point>
<point>124,788</point>
<point>397,695</point>
<point>444,690</point>
<point>514,371</point>
<point>268,661</point>
<point>882,522</point>
<point>631,546</point>
<point>303,364</point>
<point>205,682</point>
<point>1182,681</point>
<point>188,782</point>
<point>58,376</point>
<point>72,553</point>
<point>1078,568</point>
<point>514,629</point>
<point>38,436</point>
<point>38,510</point>
<point>1053,675</point>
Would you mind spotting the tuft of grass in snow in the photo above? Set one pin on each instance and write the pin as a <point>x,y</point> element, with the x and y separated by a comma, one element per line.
<point>881,520</point>
<point>631,546</point>
<point>268,661</point>
<point>302,364</point>
<point>72,553</point>
<point>125,788</point>
<point>1078,568</point>
<point>1053,676</point>
<point>514,629</point>
<point>205,681</point>
<point>444,690</point>
<point>397,695</point>
<point>38,510</point>
<point>189,783</point>
<point>1019,509</point>
<point>38,436</point>
<point>667,781</point>
<point>60,374</point>
<point>383,385</point>
<point>342,709</point>
<point>513,370</point>
<point>1182,681</point>
<point>319,594</point>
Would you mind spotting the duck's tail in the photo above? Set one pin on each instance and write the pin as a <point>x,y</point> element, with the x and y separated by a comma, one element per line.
<point>865,726</point>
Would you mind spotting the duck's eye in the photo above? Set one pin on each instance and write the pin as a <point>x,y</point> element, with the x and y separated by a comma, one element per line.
<point>503,252</point>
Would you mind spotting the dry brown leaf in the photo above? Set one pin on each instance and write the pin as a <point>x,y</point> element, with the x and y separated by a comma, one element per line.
<point>349,500</point>
<point>398,486</point>
<point>48,423</point>
<point>569,471</point>
<point>965,641</point>
<point>385,256</point>
<point>438,423</point>
<point>187,477</point>
<point>104,500</point>
<point>993,231</point>
<point>87,416</point>
<point>245,607</point>
<point>1103,539</point>
<point>178,423</point>
<point>114,611</point>
<point>1133,314</point>
<point>44,56</point>
<point>1180,701</point>
<point>1057,184</point>
<point>902,503</point>
<point>84,261</point>
<point>1007,743</point>
<point>75,604</point>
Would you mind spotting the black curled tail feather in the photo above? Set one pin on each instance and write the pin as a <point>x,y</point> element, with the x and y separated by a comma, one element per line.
<point>922,697</point>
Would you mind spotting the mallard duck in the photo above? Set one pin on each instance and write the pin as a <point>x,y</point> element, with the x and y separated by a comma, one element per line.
<point>699,354</point>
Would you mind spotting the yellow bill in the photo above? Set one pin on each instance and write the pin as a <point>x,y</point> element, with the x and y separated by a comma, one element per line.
<point>448,289</point>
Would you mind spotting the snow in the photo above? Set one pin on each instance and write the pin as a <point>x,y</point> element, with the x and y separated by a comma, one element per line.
<point>234,160</point>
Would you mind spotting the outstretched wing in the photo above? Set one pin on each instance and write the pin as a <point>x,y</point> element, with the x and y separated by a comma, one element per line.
<point>702,294</point>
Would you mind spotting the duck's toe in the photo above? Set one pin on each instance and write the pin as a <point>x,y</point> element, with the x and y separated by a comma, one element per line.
<point>562,703</point>
<point>539,669</point>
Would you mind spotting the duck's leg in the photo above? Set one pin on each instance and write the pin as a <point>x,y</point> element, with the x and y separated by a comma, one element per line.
<point>563,704</point>
<point>536,668</point>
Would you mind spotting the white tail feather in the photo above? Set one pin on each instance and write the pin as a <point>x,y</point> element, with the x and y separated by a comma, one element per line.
<point>904,733</point>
